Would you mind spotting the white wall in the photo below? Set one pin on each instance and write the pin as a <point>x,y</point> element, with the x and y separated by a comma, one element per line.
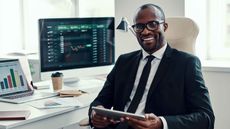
<point>218,83</point>
<point>126,42</point>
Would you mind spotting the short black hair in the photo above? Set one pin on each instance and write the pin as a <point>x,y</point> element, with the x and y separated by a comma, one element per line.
<point>154,6</point>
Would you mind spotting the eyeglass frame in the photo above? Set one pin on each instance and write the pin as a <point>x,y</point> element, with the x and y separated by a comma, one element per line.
<point>146,26</point>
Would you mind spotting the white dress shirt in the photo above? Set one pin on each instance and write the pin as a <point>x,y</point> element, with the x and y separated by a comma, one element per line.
<point>154,66</point>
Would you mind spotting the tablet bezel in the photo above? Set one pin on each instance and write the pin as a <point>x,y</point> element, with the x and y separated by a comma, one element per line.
<point>115,114</point>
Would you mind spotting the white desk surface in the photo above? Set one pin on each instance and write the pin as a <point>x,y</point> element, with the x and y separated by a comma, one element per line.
<point>54,118</point>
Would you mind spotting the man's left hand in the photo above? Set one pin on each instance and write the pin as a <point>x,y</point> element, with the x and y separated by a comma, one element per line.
<point>151,122</point>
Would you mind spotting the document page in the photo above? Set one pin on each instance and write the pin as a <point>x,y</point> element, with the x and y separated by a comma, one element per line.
<point>57,103</point>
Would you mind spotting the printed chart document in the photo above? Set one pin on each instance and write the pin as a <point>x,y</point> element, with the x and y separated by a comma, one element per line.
<point>57,103</point>
<point>14,115</point>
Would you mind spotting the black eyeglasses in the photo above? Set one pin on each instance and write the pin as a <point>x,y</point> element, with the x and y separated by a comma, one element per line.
<point>152,25</point>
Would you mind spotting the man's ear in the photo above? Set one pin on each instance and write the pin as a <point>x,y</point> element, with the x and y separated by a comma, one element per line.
<point>165,26</point>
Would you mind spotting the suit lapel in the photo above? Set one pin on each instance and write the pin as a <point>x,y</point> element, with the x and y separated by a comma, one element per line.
<point>130,82</point>
<point>162,69</point>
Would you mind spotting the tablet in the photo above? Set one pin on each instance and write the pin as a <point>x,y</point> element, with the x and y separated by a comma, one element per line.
<point>116,115</point>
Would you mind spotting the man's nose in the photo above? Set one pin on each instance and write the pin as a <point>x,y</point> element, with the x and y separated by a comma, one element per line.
<point>145,31</point>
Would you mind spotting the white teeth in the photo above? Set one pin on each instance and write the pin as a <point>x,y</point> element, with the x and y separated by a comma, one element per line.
<point>151,38</point>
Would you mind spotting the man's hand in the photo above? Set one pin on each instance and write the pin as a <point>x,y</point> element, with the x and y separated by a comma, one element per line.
<point>151,122</point>
<point>100,121</point>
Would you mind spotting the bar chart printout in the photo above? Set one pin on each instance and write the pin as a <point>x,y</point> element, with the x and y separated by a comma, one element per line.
<point>11,78</point>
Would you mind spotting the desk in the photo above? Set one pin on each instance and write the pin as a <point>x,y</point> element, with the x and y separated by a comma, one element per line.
<point>56,118</point>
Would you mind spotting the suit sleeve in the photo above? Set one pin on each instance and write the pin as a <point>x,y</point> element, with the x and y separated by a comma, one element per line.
<point>199,114</point>
<point>105,96</point>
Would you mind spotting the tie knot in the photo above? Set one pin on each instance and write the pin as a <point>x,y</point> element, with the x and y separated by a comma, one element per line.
<point>150,58</point>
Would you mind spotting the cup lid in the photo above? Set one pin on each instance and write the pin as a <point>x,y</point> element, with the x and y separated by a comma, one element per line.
<point>57,74</point>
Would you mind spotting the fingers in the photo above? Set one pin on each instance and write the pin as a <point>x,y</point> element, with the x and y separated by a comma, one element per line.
<point>93,112</point>
<point>114,121</point>
<point>122,119</point>
<point>150,116</point>
<point>98,120</point>
<point>136,122</point>
<point>150,121</point>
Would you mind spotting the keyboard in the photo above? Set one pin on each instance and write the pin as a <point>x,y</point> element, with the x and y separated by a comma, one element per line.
<point>27,97</point>
<point>19,95</point>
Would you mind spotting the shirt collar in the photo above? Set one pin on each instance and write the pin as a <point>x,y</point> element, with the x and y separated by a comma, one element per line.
<point>158,54</point>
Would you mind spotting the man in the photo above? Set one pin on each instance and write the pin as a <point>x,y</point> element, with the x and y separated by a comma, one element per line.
<point>174,96</point>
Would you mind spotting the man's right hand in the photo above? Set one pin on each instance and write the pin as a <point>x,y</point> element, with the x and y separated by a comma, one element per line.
<point>99,121</point>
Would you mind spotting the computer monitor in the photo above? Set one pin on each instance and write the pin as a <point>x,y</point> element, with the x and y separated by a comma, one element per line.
<point>76,46</point>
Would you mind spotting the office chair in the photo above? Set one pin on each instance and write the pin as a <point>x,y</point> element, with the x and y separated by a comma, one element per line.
<point>182,33</point>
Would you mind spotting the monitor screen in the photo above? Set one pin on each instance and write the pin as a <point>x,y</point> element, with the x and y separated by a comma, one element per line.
<point>70,43</point>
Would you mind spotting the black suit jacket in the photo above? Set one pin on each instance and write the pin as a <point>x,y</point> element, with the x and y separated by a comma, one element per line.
<point>177,93</point>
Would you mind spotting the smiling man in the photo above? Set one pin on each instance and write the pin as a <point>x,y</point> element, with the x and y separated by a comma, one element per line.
<point>162,83</point>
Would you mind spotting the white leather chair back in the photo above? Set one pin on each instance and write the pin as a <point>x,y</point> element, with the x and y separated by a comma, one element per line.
<point>182,33</point>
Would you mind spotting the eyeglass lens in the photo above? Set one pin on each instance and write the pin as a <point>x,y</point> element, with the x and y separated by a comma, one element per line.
<point>152,25</point>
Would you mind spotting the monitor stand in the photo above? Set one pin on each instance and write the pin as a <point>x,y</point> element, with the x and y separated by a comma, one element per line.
<point>71,80</point>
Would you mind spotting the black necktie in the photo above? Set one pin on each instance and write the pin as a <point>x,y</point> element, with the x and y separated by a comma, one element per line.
<point>141,86</point>
<point>139,92</point>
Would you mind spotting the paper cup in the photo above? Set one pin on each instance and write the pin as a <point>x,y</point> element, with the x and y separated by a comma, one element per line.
<point>57,83</point>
